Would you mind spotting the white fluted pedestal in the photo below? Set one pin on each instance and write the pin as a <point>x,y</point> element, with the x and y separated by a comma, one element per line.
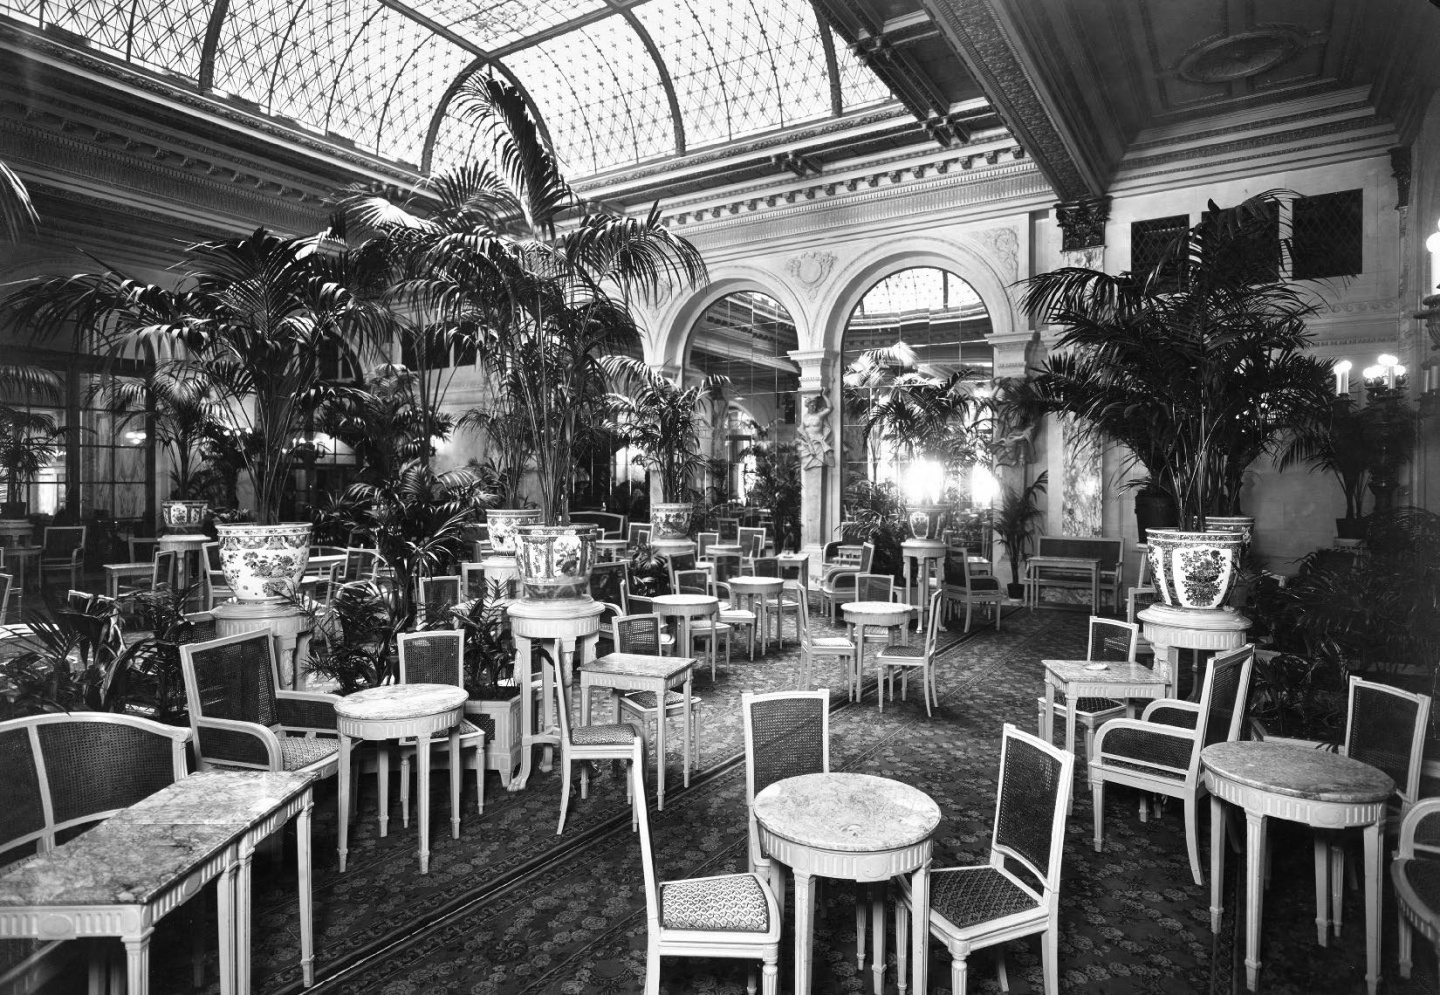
<point>1170,630</point>
<point>286,622</point>
<point>571,626</point>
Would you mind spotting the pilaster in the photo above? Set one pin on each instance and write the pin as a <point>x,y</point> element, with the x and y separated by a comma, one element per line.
<point>818,437</point>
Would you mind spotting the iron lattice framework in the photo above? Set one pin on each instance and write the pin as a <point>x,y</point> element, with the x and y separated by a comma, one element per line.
<point>614,82</point>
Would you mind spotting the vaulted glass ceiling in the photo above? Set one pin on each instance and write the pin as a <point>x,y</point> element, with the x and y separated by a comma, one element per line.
<point>614,82</point>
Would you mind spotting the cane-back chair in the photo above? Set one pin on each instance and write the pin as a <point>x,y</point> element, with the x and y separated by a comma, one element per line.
<point>906,657</point>
<point>243,719</point>
<point>813,647</point>
<point>837,584</point>
<point>438,597</point>
<point>1159,753</point>
<point>1016,893</point>
<point>617,741</point>
<point>216,589</point>
<point>962,585</point>
<point>438,657</point>
<point>1416,876</point>
<point>63,548</point>
<point>728,915</point>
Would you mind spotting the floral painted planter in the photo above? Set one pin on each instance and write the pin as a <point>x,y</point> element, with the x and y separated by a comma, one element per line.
<point>1194,570</point>
<point>555,560</point>
<point>927,521</point>
<point>501,722</point>
<point>264,562</point>
<point>503,522</point>
<point>1231,523</point>
<point>670,520</point>
<point>183,516</point>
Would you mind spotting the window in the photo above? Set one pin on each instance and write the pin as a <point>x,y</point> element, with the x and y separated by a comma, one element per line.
<point>1327,236</point>
<point>1150,239</point>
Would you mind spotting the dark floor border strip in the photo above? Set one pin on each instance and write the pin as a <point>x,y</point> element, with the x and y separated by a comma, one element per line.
<point>351,964</point>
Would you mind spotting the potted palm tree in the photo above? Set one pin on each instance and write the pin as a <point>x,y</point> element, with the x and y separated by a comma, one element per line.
<point>265,321</point>
<point>1016,523</point>
<point>502,257</point>
<point>660,419</point>
<point>1199,366</point>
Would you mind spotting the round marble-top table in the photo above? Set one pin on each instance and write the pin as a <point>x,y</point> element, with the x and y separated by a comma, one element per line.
<point>609,550</point>
<point>1316,787</point>
<point>685,607</point>
<point>399,711</point>
<point>858,615</point>
<point>767,590</point>
<point>854,826</point>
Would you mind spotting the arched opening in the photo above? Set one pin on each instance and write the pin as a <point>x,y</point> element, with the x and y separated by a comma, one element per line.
<point>747,336</point>
<point>913,334</point>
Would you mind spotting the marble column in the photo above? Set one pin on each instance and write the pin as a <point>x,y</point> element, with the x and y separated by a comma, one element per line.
<point>818,436</point>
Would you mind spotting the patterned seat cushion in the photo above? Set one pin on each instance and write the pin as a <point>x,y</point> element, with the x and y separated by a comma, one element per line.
<point>734,903</point>
<point>832,643</point>
<point>297,752</point>
<point>646,699</point>
<point>618,735</point>
<point>916,653</point>
<point>966,897</point>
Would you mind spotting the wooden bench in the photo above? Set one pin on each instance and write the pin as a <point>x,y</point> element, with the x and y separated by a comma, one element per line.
<point>1110,552</point>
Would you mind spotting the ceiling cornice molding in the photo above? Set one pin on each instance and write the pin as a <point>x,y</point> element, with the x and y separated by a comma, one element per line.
<point>993,56</point>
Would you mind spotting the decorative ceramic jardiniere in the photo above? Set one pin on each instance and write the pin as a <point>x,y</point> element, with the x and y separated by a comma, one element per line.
<point>1194,569</point>
<point>264,562</point>
<point>669,520</point>
<point>1231,523</point>
<point>555,560</point>
<point>183,516</point>
<point>927,521</point>
<point>503,522</point>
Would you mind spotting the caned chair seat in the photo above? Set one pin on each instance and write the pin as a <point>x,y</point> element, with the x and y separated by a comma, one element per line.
<point>732,902</point>
<point>964,896</point>
<point>607,735</point>
<point>831,642</point>
<point>903,652</point>
<point>299,752</point>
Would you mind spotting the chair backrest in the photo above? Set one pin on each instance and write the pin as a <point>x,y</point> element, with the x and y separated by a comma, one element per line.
<point>141,550</point>
<point>78,601</point>
<point>932,631</point>
<point>727,565</point>
<point>637,634</point>
<point>1385,727</point>
<point>612,525</point>
<point>212,559</point>
<point>787,733</point>
<point>690,581</point>
<point>163,574</point>
<point>203,627</point>
<point>729,529</point>
<point>802,596</point>
<point>639,535</point>
<point>1420,830</point>
<point>766,566</point>
<point>359,564</point>
<point>433,657</point>
<point>67,769</point>
<point>61,541</point>
<point>752,541</point>
<point>647,853</point>
<point>867,556</point>
<point>1110,551</point>
<point>1034,794</point>
<point>681,561</point>
<point>873,587</point>
<point>704,540</point>
<point>1111,639</point>
<point>437,596</point>
<point>472,580</point>
<point>233,677</point>
<point>607,582</point>
<point>1223,700</point>
<point>6,580</point>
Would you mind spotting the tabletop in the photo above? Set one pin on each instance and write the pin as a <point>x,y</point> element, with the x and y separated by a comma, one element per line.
<point>684,600</point>
<point>875,608</point>
<point>758,585</point>
<point>400,701</point>
<point>639,665</point>
<point>216,797</point>
<point>1100,672</point>
<point>847,812</point>
<point>1298,771</point>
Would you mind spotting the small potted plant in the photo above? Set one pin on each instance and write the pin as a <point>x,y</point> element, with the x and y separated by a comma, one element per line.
<point>1016,523</point>
<point>494,698</point>
<point>28,444</point>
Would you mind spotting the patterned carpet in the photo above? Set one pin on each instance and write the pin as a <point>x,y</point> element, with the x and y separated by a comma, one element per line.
<point>510,908</point>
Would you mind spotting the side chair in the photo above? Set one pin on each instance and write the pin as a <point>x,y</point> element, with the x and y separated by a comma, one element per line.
<point>436,656</point>
<point>215,587</point>
<point>437,597</point>
<point>906,658</point>
<point>1159,752</point>
<point>813,647</point>
<point>616,741</point>
<point>641,634</point>
<point>962,586</point>
<point>63,548</point>
<point>1016,893</point>
<point>727,915</point>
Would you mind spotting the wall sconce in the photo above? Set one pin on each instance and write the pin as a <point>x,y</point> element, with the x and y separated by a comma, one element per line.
<point>1342,377</point>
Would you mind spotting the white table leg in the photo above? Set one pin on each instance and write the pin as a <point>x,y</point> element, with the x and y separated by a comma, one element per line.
<point>523,674</point>
<point>307,909</point>
<point>382,765</point>
<point>804,927</point>
<point>1374,871</point>
<point>1321,848</point>
<point>920,925</point>
<point>422,801</point>
<point>225,920</point>
<point>344,802</point>
<point>1254,893</point>
<point>660,746</point>
<point>855,662</point>
<point>137,963</point>
<point>242,922</point>
<point>1047,722</point>
<point>455,765</point>
<point>685,726</point>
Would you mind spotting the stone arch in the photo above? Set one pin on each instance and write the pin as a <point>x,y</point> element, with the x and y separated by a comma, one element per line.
<point>673,345</point>
<point>863,272</point>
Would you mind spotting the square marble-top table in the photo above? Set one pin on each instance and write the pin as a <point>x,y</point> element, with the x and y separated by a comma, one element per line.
<point>643,672</point>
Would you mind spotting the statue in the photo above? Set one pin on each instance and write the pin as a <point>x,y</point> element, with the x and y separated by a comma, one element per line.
<point>814,435</point>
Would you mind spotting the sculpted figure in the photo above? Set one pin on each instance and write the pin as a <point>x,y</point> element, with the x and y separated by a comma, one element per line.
<point>814,435</point>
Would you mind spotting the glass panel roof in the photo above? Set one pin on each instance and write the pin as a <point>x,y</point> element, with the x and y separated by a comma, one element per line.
<point>920,289</point>
<point>600,72</point>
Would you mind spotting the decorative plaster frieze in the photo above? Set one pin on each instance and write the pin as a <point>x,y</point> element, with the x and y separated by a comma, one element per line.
<point>1002,245</point>
<point>1364,307</point>
<point>810,269</point>
<point>1091,258</point>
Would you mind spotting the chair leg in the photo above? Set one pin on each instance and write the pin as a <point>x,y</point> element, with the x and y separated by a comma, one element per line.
<point>480,779</point>
<point>1192,837</point>
<point>1405,942</point>
<point>968,608</point>
<point>770,984</point>
<point>959,973</point>
<point>565,800</point>
<point>1097,793</point>
<point>1050,956</point>
<point>652,968</point>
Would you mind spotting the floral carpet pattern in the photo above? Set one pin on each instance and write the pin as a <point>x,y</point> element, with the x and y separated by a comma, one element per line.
<point>512,909</point>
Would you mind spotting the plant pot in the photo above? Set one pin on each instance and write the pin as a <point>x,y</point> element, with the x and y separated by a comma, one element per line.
<point>503,522</point>
<point>1194,570</point>
<point>554,561</point>
<point>1231,523</point>
<point>1015,592</point>
<point>264,563</point>
<point>183,516</point>
<point>670,520</point>
<point>14,509</point>
<point>927,521</point>
<point>501,722</point>
<point>1350,528</point>
<point>1154,510</point>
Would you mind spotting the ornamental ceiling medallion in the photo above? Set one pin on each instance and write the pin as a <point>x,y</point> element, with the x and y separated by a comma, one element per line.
<point>1237,56</point>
